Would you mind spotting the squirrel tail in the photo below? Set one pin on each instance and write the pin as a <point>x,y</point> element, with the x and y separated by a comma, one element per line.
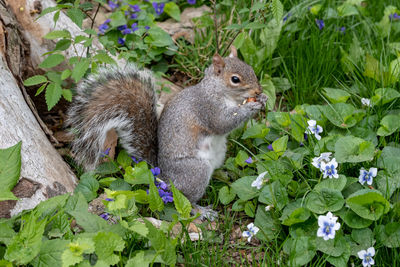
<point>123,100</point>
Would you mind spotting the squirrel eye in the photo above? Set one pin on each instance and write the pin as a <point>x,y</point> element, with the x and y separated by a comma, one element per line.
<point>235,79</point>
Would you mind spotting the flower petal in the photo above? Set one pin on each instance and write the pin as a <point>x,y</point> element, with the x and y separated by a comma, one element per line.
<point>371,251</point>
<point>373,171</point>
<point>361,254</point>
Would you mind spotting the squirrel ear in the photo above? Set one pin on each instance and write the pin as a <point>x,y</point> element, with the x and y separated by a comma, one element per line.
<point>218,63</point>
<point>233,51</point>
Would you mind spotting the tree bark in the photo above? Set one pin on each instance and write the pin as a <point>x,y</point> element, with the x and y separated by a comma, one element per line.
<point>44,173</point>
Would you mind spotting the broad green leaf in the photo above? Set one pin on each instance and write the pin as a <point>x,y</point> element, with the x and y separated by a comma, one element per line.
<point>242,187</point>
<point>315,9</point>
<point>340,114</point>
<point>67,94</point>
<point>372,68</point>
<point>353,149</point>
<point>294,213</point>
<point>346,10</point>
<point>50,253</point>
<point>106,243</point>
<point>88,186</point>
<point>390,159</point>
<point>63,45</point>
<point>51,205</point>
<point>226,195</point>
<point>173,11</point>
<point>140,259</point>
<point>75,250</point>
<point>324,200</point>
<point>241,158</point>
<point>387,183</point>
<point>298,126</point>
<point>91,223</point>
<point>257,130</point>
<point>389,234</point>
<point>124,159</point>
<point>107,168</point>
<point>274,194</point>
<point>52,61</point>
<point>76,202</point>
<point>53,94</point>
<point>155,201</point>
<point>254,26</point>
<point>182,204</point>
<point>333,247</point>
<point>104,58</point>
<point>138,175</point>
<point>158,37</point>
<point>277,10</point>
<point>281,118</point>
<point>65,74</point>
<point>269,90</point>
<point>25,246</point>
<point>280,145</point>
<point>368,204</point>
<point>394,70</point>
<point>80,69</point>
<point>76,15</point>
<point>37,79</point>
<point>336,95</point>
<point>269,226</point>
<point>363,236</point>
<point>343,259</point>
<point>57,34</point>
<point>6,233</point>
<point>301,250</point>
<point>353,220</point>
<point>384,95</point>
<point>336,184</point>
<point>250,209</point>
<point>389,124</point>
<point>10,167</point>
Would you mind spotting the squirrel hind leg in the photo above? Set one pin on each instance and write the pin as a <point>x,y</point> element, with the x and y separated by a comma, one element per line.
<point>206,213</point>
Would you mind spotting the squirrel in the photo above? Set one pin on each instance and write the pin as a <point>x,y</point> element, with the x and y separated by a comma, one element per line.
<point>188,141</point>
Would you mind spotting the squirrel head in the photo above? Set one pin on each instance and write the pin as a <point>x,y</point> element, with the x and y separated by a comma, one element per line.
<point>238,79</point>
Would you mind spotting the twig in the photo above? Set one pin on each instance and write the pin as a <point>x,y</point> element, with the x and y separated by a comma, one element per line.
<point>91,26</point>
<point>230,43</point>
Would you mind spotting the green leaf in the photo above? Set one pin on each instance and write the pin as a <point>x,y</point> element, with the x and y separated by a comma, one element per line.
<point>242,187</point>
<point>25,246</point>
<point>280,145</point>
<point>340,114</point>
<point>37,79</point>
<point>155,201</point>
<point>104,58</point>
<point>124,159</point>
<point>105,245</point>
<point>65,74</point>
<point>89,222</point>
<point>57,34</point>
<point>76,15</point>
<point>76,202</point>
<point>226,195</point>
<point>80,69</point>
<point>138,175</point>
<point>363,237</point>
<point>274,194</point>
<point>269,90</point>
<point>88,186</point>
<point>173,11</point>
<point>336,95</point>
<point>336,184</point>
<point>389,124</point>
<point>50,253</point>
<point>107,168</point>
<point>75,250</point>
<point>67,94</point>
<point>182,204</point>
<point>250,209</point>
<point>394,70</point>
<point>353,220</point>
<point>41,88</point>
<point>277,10</point>
<point>372,68</point>
<point>390,159</point>
<point>343,259</point>
<point>257,130</point>
<point>346,10</point>
<point>6,233</point>
<point>387,183</point>
<point>158,37</point>
<point>353,149</point>
<point>53,94</point>
<point>52,61</point>
<point>389,234</point>
<point>301,250</point>
<point>333,247</point>
<point>269,226</point>
<point>294,213</point>
<point>10,167</point>
<point>62,45</point>
<point>384,95</point>
<point>368,204</point>
<point>141,258</point>
<point>324,200</point>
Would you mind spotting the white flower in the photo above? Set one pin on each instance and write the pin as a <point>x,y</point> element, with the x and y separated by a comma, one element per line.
<point>251,232</point>
<point>314,129</point>
<point>366,176</point>
<point>366,256</point>
<point>259,181</point>
<point>324,157</point>
<point>269,207</point>
<point>366,102</point>
<point>327,226</point>
<point>329,169</point>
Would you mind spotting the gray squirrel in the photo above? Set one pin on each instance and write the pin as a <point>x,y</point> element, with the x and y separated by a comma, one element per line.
<point>188,141</point>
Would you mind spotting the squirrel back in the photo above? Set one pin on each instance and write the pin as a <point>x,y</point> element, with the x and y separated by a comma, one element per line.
<point>121,100</point>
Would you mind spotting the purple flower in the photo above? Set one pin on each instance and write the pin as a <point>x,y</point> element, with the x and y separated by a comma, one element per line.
<point>107,21</point>
<point>105,153</point>
<point>158,8</point>
<point>191,2</point>
<point>394,16</point>
<point>249,160</point>
<point>121,41</point>
<point>134,16</point>
<point>165,196</point>
<point>155,171</point>
<point>320,23</point>
<point>122,27</point>
<point>285,18</point>
<point>103,27</point>
<point>162,185</point>
<point>147,27</point>
<point>105,216</point>
<point>112,4</point>
<point>305,136</point>
<point>270,147</point>
<point>343,30</point>
<point>126,31</point>
<point>135,160</point>
<point>109,199</point>
<point>135,8</point>
<point>134,27</point>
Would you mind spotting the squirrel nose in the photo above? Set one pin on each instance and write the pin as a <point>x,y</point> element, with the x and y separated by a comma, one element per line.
<point>258,90</point>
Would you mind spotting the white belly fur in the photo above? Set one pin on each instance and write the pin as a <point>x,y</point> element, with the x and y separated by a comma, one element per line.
<point>213,149</point>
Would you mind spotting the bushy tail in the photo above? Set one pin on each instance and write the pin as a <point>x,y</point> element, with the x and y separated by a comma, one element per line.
<point>119,99</point>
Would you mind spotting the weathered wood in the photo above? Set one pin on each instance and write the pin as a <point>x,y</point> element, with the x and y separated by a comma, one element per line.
<point>43,172</point>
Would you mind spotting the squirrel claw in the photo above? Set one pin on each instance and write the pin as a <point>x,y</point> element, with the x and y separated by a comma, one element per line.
<point>262,98</point>
<point>206,213</point>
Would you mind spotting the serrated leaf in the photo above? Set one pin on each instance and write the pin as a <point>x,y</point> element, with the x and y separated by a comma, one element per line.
<point>41,88</point>
<point>88,186</point>
<point>37,79</point>
<point>277,10</point>
<point>155,201</point>
<point>62,45</point>
<point>105,245</point>
<point>105,58</point>
<point>173,11</point>
<point>57,34</point>
<point>50,253</point>
<point>182,204</point>
<point>89,222</point>
<point>53,94</point>
<point>76,15</point>
<point>80,69</point>
<point>52,61</point>
<point>10,167</point>
<point>67,94</point>
<point>65,74</point>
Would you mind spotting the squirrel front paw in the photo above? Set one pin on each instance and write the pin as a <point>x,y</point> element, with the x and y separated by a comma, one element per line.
<point>262,99</point>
